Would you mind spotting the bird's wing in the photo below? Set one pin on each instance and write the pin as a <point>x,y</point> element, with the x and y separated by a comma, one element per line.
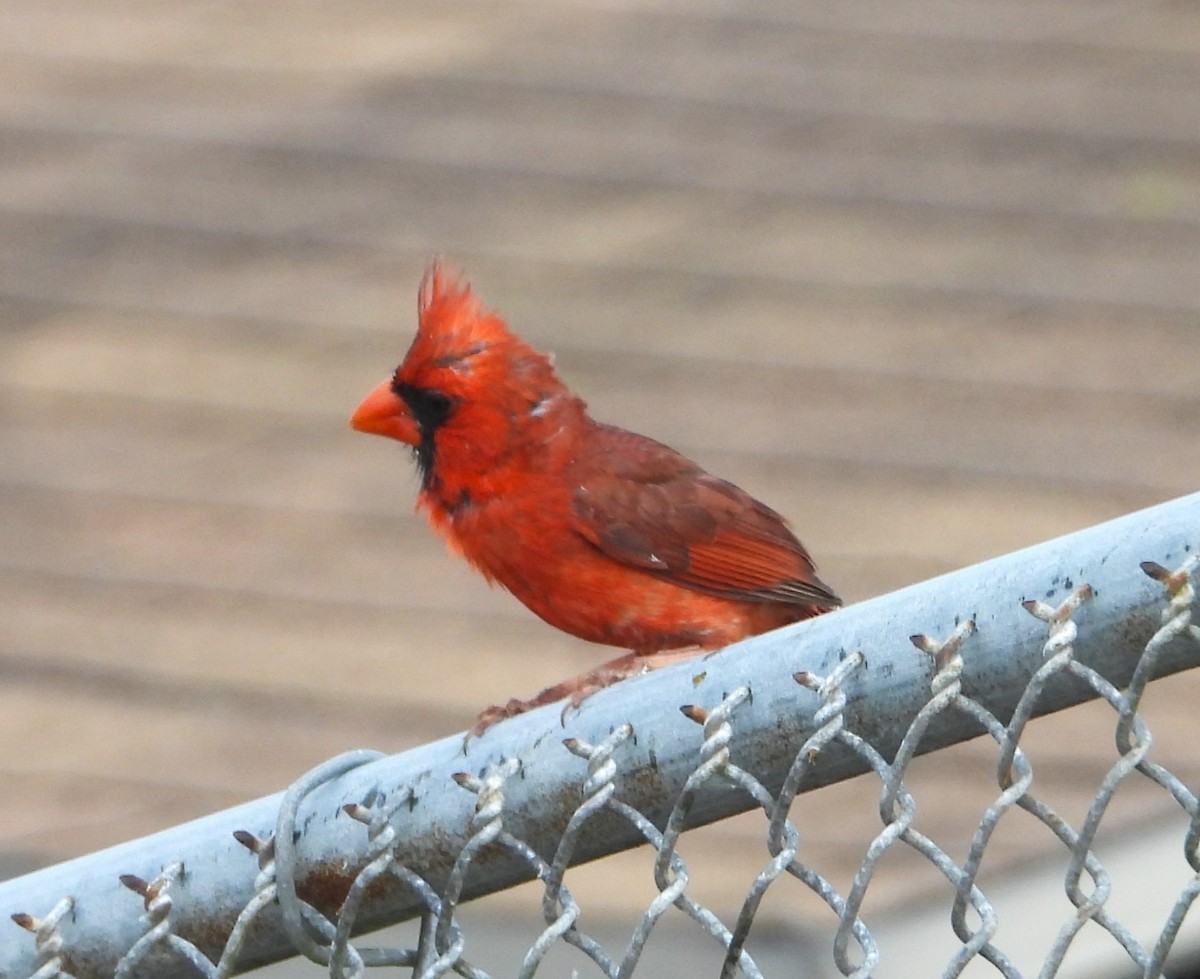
<point>647,506</point>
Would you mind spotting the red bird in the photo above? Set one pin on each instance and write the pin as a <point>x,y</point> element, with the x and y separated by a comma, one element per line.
<point>606,534</point>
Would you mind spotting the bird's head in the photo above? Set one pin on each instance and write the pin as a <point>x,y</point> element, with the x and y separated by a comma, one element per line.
<point>467,387</point>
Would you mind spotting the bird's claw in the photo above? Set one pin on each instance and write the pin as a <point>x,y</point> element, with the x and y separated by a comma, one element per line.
<point>574,702</point>
<point>491,716</point>
<point>575,691</point>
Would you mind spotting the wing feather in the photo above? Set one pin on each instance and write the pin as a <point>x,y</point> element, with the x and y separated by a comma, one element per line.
<point>647,506</point>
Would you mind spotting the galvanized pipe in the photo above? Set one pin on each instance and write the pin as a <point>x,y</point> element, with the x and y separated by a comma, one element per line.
<point>213,874</point>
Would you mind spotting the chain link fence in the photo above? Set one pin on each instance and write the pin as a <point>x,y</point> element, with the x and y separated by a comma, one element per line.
<point>365,840</point>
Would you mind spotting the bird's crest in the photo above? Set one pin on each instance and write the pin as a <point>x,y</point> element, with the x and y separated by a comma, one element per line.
<point>452,324</point>
<point>457,336</point>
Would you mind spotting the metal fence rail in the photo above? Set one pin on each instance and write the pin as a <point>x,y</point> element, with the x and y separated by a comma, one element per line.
<point>366,840</point>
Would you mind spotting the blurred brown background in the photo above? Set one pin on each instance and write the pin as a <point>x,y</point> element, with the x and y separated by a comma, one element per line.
<point>921,275</point>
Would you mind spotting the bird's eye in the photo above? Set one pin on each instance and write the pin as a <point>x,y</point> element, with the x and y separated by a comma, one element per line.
<point>438,405</point>
<point>429,406</point>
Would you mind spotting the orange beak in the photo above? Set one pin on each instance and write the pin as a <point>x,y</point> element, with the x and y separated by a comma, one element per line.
<point>383,412</point>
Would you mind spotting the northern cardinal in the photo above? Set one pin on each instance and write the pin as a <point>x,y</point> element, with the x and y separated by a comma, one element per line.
<point>606,534</point>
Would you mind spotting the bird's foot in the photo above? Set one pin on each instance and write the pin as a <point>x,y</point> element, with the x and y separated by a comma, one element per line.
<point>493,715</point>
<point>577,689</point>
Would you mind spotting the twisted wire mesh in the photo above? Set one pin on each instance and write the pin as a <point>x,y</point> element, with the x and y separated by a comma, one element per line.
<point>326,937</point>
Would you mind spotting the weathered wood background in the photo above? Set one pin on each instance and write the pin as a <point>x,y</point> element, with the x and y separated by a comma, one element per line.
<point>923,275</point>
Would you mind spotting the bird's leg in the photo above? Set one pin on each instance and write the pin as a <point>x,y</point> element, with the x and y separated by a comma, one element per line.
<point>631,664</point>
<point>577,689</point>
